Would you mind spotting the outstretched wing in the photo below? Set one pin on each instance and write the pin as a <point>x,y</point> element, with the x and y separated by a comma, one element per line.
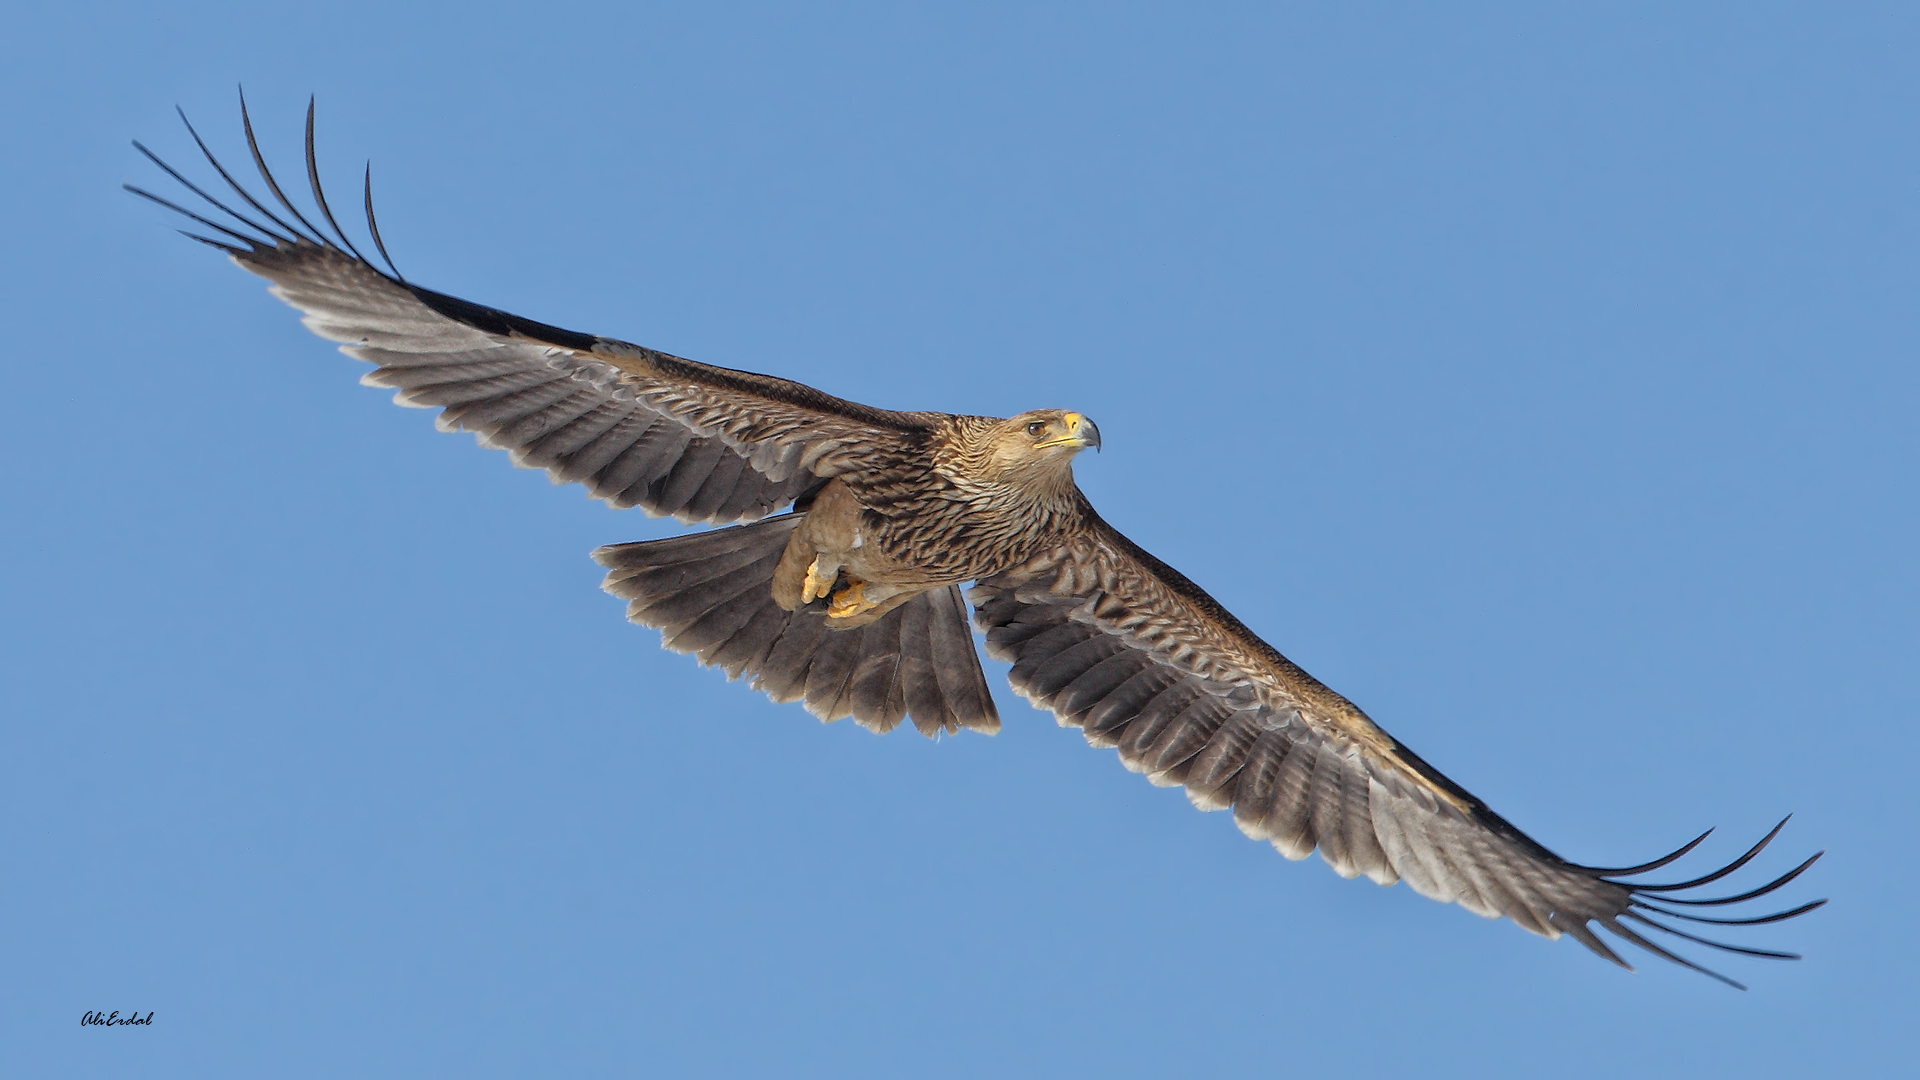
<point>1124,647</point>
<point>637,427</point>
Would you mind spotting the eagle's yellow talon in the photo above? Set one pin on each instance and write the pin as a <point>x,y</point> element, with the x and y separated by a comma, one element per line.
<point>813,588</point>
<point>849,601</point>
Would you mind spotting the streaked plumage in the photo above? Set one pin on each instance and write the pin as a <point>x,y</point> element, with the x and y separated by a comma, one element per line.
<point>849,597</point>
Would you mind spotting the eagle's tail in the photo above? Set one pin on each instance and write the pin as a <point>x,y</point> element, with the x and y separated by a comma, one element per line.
<point>710,594</point>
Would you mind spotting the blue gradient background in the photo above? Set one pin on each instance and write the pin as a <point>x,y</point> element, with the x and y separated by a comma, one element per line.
<point>1542,377</point>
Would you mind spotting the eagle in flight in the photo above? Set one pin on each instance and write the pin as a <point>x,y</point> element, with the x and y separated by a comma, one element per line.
<point>845,534</point>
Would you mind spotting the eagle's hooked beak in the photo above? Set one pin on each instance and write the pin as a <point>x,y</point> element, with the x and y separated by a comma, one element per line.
<point>1081,432</point>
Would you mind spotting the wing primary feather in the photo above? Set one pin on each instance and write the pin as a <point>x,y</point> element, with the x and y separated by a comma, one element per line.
<point>253,147</point>
<point>1769,954</point>
<point>228,248</point>
<point>1723,871</point>
<point>319,196</point>
<point>190,186</point>
<point>184,212</point>
<point>1778,916</point>
<point>1579,930</point>
<point>1613,926</point>
<point>1629,871</point>
<point>1754,894</point>
<point>373,227</point>
<point>232,183</point>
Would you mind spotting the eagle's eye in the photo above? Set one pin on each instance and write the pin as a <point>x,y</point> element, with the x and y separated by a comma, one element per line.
<point>1037,428</point>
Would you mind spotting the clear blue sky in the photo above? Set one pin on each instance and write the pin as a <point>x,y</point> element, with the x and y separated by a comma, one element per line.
<point>1542,377</point>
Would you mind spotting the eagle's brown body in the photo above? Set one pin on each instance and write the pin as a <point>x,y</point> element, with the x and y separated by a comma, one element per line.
<point>851,602</point>
<point>972,497</point>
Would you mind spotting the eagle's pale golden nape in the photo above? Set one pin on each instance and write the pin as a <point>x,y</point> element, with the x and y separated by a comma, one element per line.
<point>845,534</point>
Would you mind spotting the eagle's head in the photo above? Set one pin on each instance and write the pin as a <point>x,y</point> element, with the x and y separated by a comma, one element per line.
<point>1055,433</point>
<point>1033,450</point>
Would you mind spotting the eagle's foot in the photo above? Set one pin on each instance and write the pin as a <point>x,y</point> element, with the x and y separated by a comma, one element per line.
<point>817,585</point>
<point>849,601</point>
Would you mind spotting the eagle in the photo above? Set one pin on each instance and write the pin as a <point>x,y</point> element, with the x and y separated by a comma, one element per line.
<point>844,535</point>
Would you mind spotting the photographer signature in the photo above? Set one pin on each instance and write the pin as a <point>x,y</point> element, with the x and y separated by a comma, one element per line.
<point>114,1019</point>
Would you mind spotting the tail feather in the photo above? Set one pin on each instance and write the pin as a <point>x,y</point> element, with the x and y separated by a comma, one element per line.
<point>745,650</point>
<point>674,570</point>
<point>680,610</point>
<point>925,703</point>
<point>704,635</point>
<point>828,672</point>
<point>956,661</point>
<point>784,675</point>
<point>710,594</point>
<point>872,695</point>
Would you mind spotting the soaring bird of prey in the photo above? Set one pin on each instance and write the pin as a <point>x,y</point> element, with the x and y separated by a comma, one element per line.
<point>846,535</point>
